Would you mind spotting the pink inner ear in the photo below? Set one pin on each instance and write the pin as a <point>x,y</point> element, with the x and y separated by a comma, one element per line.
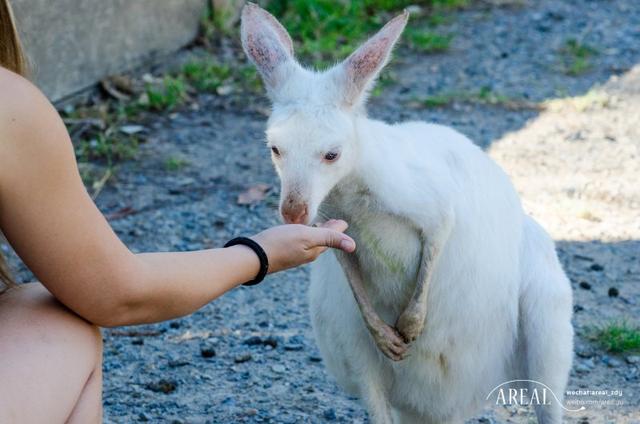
<point>280,31</point>
<point>365,63</point>
<point>264,41</point>
<point>264,52</point>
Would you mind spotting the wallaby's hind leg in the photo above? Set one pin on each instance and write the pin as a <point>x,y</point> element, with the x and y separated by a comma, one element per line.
<point>376,401</point>
<point>545,311</point>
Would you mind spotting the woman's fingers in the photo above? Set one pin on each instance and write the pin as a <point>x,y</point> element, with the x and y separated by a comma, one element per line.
<point>335,224</point>
<point>331,234</point>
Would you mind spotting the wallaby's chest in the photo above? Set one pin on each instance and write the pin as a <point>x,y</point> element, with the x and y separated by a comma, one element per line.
<point>388,246</point>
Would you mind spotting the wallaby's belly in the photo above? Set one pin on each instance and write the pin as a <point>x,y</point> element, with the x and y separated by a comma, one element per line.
<point>389,250</point>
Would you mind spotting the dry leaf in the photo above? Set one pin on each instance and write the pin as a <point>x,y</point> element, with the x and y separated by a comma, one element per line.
<point>253,195</point>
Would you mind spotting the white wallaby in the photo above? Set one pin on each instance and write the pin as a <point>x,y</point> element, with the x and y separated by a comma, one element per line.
<point>452,290</point>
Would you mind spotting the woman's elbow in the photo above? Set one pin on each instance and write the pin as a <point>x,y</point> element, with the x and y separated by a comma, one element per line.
<point>111,313</point>
<point>120,303</point>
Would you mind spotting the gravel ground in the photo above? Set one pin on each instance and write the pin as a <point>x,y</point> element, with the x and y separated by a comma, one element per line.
<point>251,357</point>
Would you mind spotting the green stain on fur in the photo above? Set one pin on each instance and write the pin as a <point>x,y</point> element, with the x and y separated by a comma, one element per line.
<point>373,244</point>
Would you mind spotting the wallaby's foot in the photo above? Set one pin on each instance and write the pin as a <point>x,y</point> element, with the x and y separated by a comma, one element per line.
<point>389,341</point>
<point>410,324</point>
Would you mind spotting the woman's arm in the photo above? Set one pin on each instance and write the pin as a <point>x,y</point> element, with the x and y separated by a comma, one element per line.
<point>52,223</point>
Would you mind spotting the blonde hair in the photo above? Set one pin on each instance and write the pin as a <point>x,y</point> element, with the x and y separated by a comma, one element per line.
<point>12,58</point>
<point>11,53</point>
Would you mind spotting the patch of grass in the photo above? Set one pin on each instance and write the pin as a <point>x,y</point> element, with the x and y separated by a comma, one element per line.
<point>206,75</point>
<point>108,147</point>
<point>175,163</point>
<point>98,138</point>
<point>619,336</point>
<point>209,76</point>
<point>167,95</point>
<point>428,41</point>
<point>386,79</point>
<point>437,100</point>
<point>575,57</point>
<point>331,29</point>
<point>484,95</point>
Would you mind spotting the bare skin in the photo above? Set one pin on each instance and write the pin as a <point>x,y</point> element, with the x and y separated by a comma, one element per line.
<point>88,276</point>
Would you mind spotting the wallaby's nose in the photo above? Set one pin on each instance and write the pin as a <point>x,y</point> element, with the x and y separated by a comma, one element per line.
<point>295,214</point>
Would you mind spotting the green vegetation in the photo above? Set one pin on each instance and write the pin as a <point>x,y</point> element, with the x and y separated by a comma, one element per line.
<point>207,75</point>
<point>108,147</point>
<point>484,95</point>
<point>96,131</point>
<point>175,163</point>
<point>331,29</point>
<point>619,336</point>
<point>428,41</point>
<point>167,95</point>
<point>438,100</point>
<point>575,57</point>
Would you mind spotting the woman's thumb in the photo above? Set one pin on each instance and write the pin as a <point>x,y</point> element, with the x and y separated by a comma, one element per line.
<point>332,236</point>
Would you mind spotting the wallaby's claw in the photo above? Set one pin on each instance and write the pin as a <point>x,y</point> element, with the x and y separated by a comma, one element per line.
<point>390,342</point>
<point>410,326</point>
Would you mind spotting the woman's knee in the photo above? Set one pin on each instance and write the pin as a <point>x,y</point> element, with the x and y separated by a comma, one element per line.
<point>44,346</point>
<point>31,308</point>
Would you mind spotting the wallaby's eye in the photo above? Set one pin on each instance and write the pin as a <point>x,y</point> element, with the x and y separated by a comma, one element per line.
<point>275,150</point>
<point>331,156</point>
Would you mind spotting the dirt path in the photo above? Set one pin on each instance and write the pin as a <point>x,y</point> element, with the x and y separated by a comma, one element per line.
<point>571,147</point>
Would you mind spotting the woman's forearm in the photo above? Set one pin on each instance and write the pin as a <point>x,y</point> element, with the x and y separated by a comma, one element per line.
<point>173,284</point>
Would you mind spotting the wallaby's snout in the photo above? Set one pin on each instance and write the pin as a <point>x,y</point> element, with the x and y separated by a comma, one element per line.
<point>294,210</point>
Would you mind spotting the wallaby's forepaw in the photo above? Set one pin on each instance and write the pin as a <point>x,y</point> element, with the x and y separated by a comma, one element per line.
<point>410,325</point>
<point>390,342</point>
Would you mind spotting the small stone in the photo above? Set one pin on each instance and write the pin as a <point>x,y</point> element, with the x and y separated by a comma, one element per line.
<point>137,342</point>
<point>207,352</point>
<point>132,129</point>
<point>577,308</point>
<point>143,417</point>
<point>584,285</point>
<point>174,324</point>
<point>315,358</point>
<point>265,341</point>
<point>611,362</point>
<point>177,363</point>
<point>596,267</point>
<point>278,368</point>
<point>584,352</point>
<point>162,386</point>
<point>293,347</point>
<point>582,368</point>
<point>633,359</point>
<point>250,412</point>
<point>613,292</point>
<point>244,357</point>
<point>329,414</point>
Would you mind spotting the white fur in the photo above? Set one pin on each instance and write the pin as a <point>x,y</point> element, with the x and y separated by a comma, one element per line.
<point>499,306</point>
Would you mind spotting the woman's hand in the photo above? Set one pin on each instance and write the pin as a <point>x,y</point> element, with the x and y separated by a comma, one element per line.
<point>291,245</point>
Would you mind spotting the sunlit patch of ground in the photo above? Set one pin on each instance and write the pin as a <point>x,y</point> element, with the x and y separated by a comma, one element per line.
<point>577,164</point>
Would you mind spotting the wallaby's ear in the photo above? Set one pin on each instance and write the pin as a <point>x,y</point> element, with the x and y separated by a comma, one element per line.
<point>360,70</point>
<point>266,43</point>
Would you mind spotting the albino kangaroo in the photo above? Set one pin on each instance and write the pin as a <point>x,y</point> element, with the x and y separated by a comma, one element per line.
<point>452,290</point>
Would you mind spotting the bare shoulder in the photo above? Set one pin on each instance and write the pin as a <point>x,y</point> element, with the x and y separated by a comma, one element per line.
<point>30,127</point>
<point>23,104</point>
